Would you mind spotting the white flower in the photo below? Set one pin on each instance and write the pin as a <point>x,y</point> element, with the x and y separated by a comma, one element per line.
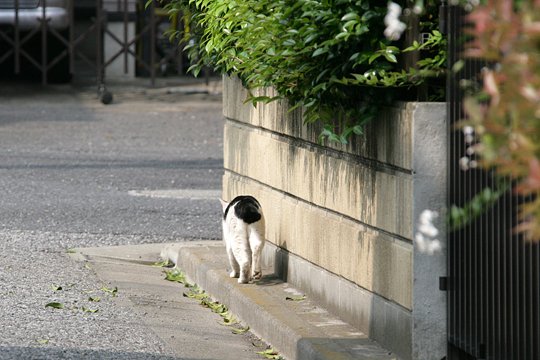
<point>394,27</point>
<point>424,238</point>
<point>468,5</point>
<point>464,163</point>
<point>468,130</point>
<point>420,241</point>
<point>434,247</point>
<point>427,217</point>
<point>428,229</point>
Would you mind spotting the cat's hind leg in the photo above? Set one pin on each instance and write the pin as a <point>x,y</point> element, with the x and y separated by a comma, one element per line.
<point>242,255</point>
<point>235,268</point>
<point>256,243</point>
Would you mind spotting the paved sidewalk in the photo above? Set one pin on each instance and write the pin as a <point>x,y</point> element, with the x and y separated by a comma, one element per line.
<point>187,329</point>
<point>275,311</point>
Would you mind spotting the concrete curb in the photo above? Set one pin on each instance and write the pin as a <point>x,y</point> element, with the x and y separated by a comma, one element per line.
<point>297,329</point>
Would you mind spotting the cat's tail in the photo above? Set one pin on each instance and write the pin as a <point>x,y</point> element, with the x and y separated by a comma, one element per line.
<point>248,209</point>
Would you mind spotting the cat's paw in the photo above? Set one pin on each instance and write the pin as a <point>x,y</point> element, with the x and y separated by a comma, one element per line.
<point>233,274</point>
<point>243,280</point>
<point>257,275</point>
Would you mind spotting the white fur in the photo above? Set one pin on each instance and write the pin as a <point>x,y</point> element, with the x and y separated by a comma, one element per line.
<point>244,243</point>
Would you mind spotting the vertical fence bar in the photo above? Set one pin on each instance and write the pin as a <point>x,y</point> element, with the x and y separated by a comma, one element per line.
<point>126,40</point>
<point>527,329</point>
<point>536,272</point>
<point>500,283</point>
<point>44,43</point>
<point>17,39</point>
<point>512,308</point>
<point>523,300</point>
<point>99,54</point>
<point>451,105</point>
<point>71,45</point>
<point>153,43</point>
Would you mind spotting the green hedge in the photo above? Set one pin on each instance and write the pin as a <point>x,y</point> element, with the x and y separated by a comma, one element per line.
<point>330,57</point>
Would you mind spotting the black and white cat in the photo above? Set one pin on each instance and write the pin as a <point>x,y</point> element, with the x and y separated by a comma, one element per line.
<point>243,233</point>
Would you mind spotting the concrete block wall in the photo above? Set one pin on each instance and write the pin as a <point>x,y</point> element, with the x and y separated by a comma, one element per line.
<point>341,219</point>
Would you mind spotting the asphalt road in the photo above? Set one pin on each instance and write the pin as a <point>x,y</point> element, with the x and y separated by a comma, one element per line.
<point>76,173</point>
<point>70,164</point>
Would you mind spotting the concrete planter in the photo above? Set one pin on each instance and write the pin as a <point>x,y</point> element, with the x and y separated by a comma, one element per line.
<point>342,218</point>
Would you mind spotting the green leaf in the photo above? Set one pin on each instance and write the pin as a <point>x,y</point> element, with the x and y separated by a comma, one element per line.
<point>239,330</point>
<point>342,35</point>
<point>289,42</point>
<point>373,57</point>
<point>390,57</point>
<point>94,299</point>
<point>263,99</point>
<point>350,23</point>
<point>112,291</point>
<point>55,305</point>
<point>458,66</point>
<point>362,29</point>
<point>358,129</point>
<point>228,318</point>
<point>42,341</point>
<point>485,199</point>
<point>296,298</point>
<point>319,51</point>
<point>195,295</point>
<point>56,288</point>
<point>287,53</point>
<point>311,37</point>
<point>165,263</point>
<point>350,16</point>
<point>175,275</point>
<point>270,354</point>
<point>89,310</point>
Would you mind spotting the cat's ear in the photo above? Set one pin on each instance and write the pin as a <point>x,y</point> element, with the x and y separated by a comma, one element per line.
<point>224,204</point>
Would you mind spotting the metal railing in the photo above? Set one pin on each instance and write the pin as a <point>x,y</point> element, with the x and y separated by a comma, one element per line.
<point>38,24</point>
<point>20,39</point>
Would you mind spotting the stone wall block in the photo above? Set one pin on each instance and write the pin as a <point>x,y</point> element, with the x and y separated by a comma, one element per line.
<point>323,179</point>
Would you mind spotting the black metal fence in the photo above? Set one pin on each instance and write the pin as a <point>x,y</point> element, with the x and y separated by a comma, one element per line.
<point>493,273</point>
<point>45,43</point>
